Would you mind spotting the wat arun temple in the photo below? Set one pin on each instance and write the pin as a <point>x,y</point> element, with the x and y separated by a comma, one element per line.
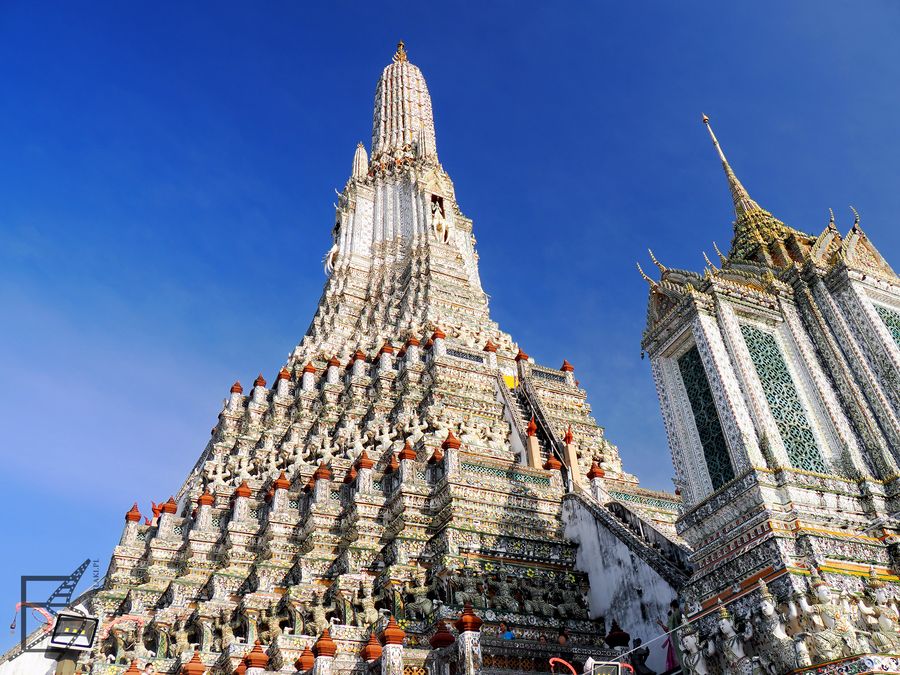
<point>413,494</point>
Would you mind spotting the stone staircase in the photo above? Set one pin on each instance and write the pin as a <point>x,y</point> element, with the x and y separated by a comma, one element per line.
<point>669,559</point>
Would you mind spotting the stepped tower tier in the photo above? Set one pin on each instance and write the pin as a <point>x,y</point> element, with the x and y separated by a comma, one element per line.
<point>777,371</point>
<point>409,480</point>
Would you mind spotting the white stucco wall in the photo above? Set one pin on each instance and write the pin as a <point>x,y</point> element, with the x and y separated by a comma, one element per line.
<point>623,587</point>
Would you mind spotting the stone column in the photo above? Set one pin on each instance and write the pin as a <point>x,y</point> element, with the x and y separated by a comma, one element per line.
<point>257,661</point>
<point>359,364</point>
<point>598,483</point>
<point>322,489</point>
<point>281,485</point>
<point>130,531</point>
<point>204,511</point>
<point>490,354</point>
<point>236,399</point>
<point>308,382</point>
<point>392,654</point>
<point>283,383</point>
<point>570,454</point>
<point>241,510</point>
<point>532,447</point>
<point>569,371</point>
<point>332,375</point>
<point>259,389</point>
<point>364,473</point>
<point>451,446</point>
<point>468,643</point>
<point>412,350</point>
<point>324,651</point>
<point>386,358</point>
<point>522,364</point>
<point>439,347</point>
<point>407,459</point>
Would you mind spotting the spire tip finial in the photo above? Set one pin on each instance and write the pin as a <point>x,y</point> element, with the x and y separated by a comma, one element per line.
<point>400,54</point>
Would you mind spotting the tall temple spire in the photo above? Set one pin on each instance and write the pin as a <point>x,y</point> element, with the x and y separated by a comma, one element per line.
<point>753,225</point>
<point>743,204</point>
<point>403,117</point>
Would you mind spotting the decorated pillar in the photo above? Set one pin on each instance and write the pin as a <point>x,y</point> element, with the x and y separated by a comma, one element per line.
<point>324,651</point>
<point>332,375</point>
<point>308,381</point>
<point>386,358</point>
<point>280,485</point>
<point>412,350</point>
<point>522,364</point>
<point>490,354</point>
<point>359,364</point>
<point>205,502</point>
<point>236,399</point>
<point>364,472</point>
<point>392,656</point>
<point>439,661</point>
<point>257,661</point>
<point>439,347</point>
<point>259,389</point>
<point>130,531</point>
<point>193,667</point>
<point>532,447</point>
<point>283,383</point>
<point>241,510</point>
<point>468,643</point>
<point>568,370</point>
<point>570,454</point>
<point>407,459</point>
<point>597,482</point>
<point>306,661</point>
<point>322,487</point>
<point>451,446</point>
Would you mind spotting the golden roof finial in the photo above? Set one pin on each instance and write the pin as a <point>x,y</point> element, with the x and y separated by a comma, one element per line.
<point>709,262</point>
<point>830,216</point>
<point>400,54</point>
<point>659,265</point>
<point>855,216</point>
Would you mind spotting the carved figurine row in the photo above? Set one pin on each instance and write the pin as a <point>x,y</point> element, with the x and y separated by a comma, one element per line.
<point>805,629</point>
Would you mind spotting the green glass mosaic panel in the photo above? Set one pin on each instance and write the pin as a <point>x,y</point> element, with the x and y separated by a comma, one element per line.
<point>706,417</point>
<point>504,473</point>
<point>784,401</point>
<point>891,320</point>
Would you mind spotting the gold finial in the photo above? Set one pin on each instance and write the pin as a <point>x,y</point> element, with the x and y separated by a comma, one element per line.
<point>659,265</point>
<point>723,610</point>
<point>400,55</point>
<point>709,262</point>
<point>714,139</point>
<point>830,216</point>
<point>855,216</point>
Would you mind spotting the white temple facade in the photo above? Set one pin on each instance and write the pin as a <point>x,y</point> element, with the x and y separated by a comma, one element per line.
<point>777,371</point>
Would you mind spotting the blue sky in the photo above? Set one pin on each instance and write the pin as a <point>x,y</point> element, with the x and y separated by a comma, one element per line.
<point>168,174</point>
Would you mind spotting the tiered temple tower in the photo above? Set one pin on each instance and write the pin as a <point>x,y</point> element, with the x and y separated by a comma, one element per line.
<point>403,485</point>
<point>778,373</point>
